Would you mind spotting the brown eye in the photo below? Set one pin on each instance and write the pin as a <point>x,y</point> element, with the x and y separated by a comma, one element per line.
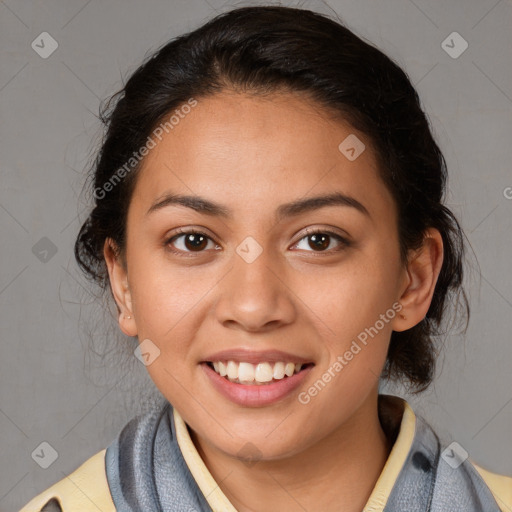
<point>189,241</point>
<point>320,241</point>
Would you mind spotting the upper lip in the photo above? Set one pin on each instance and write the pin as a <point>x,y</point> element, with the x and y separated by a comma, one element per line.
<point>255,356</point>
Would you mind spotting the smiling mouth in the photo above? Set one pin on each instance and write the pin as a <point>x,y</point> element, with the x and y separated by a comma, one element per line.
<point>256,374</point>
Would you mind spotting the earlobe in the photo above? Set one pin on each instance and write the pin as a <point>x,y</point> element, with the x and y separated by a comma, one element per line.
<point>118,279</point>
<point>423,270</point>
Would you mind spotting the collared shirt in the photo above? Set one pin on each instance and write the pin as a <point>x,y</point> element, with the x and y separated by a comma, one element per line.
<point>88,484</point>
<point>500,486</point>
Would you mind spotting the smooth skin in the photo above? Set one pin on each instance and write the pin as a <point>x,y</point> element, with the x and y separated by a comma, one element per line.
<point>252,154</point>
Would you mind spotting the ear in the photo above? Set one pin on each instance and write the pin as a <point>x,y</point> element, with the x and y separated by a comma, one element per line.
<point>423,268</point>
<point>119,285</point>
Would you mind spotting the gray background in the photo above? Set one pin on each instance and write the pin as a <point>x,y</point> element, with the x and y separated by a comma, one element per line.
<point>57,384</point>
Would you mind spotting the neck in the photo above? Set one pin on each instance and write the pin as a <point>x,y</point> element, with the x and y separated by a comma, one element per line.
<point>337,473</point>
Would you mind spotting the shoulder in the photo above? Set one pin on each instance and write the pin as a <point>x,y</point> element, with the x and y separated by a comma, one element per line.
<point>85,486</point>
<point>499,485</point>
<point>461,486</point>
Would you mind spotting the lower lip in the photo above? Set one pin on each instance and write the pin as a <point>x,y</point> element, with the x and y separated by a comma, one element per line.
<point>256,395</point>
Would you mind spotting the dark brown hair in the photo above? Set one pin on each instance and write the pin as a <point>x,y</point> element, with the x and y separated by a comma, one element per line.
<point>269,49</point>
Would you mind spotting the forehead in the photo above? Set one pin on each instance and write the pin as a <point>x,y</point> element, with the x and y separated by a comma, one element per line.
<point>250,151</point>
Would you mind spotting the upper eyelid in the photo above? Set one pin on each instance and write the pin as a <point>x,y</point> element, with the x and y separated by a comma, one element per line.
<point>331,231</point>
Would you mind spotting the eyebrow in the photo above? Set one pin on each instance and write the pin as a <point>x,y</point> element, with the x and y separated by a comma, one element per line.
<point>292,209</point>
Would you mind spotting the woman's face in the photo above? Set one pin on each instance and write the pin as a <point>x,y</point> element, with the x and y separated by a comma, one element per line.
<point>255,283</point>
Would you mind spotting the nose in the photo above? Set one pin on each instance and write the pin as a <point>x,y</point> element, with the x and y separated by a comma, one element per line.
<point>254,296</point>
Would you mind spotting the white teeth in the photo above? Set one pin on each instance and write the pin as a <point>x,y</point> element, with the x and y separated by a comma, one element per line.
<point>248,373</point>
<point>289,369</point>
<point>279,370</point>
<point>222,369</point>
<point>245,372</point>
<point>232,370</point>
<point>263,372</point>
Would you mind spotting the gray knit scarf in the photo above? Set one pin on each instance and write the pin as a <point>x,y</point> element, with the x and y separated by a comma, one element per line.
<point>146,472</point>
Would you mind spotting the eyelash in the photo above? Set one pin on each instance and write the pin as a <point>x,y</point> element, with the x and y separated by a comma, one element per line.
<point>344,243</point>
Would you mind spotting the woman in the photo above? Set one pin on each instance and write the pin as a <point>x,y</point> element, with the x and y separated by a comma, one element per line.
<point>269,220</point>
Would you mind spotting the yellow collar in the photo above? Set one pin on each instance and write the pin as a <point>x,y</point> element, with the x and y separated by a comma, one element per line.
<point>394,411</point>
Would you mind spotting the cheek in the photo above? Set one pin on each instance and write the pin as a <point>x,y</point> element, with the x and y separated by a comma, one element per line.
<point>161,293</point>
<point>350,298</point>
